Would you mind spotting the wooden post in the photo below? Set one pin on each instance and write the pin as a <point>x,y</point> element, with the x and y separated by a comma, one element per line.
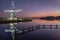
<point>29,29</point>
<point>43,26</point>
<point>50,26</point>
<point>22,31</point>
<point>56,26</point>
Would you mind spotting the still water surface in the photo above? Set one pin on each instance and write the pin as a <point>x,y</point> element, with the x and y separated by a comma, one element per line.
<point>40,34</point>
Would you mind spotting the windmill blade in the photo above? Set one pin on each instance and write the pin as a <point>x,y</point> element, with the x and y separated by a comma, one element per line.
<point>18,10</point>
<point>9,11</point>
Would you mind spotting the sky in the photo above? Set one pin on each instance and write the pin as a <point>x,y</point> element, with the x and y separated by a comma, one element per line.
<point>31,8</point>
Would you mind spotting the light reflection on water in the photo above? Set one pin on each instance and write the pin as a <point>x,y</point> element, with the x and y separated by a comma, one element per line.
<point>41,34</point>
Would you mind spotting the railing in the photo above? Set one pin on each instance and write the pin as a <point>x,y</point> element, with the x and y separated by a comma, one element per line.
<point>33,28</point>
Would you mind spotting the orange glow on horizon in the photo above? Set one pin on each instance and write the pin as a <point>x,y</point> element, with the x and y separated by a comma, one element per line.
<point>38,14</point>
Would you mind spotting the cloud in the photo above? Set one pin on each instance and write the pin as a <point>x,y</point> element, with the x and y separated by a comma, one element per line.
<point>56,1</point>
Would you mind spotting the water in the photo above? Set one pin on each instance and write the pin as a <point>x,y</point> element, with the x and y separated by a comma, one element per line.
<point>40,34</point>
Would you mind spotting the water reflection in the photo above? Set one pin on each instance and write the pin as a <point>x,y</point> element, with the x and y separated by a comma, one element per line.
<point>41,34</point>
<point>46,22</point>
<point>13,30</point>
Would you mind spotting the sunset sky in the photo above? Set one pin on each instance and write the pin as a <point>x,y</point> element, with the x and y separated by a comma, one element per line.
<point>31,8</point>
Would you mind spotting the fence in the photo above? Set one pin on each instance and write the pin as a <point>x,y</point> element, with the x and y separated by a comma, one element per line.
<point>33,28</point>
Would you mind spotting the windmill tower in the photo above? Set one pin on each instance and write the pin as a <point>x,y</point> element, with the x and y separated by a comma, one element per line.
<point>13,11</point>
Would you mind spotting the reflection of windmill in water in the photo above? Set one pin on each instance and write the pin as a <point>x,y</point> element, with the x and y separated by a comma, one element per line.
<point>13,11</point>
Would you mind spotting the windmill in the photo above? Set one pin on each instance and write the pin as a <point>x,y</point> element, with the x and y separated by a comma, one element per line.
<point>13,11</point>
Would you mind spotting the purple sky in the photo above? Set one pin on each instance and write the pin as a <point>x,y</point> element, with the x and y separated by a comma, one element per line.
<point>31,8</point>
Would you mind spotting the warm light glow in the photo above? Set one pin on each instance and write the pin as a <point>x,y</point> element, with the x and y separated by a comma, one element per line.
<point>10,18</point>
<point>20,19</point>
<point>11,24</point>
<point>15,18</point>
